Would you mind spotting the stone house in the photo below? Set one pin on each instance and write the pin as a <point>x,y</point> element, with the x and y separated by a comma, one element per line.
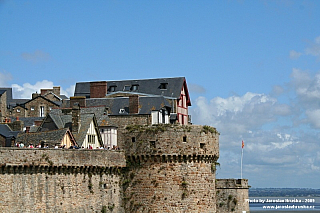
<point>172,92</point>
<point>38,106</point>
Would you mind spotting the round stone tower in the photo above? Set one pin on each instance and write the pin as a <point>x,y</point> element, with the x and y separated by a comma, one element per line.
<point>170,168</point>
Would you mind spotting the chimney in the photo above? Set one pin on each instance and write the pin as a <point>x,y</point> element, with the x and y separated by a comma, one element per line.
<point>133,104</point>
<point>34,95</point>
<point>98,89</point>
<point>56,91</point>
<point>75,118</point>
<point>80,100</point>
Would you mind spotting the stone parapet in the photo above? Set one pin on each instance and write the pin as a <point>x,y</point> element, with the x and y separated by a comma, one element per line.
<point>232,184</point>
<point>61,157</point>
<point>174,141</point>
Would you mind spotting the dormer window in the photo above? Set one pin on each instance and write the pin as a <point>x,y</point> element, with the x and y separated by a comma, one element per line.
<point>112,88</point>
<point>121,111</point>
<point>127,88</point>
<point>163,85</point>
<point>135,87</point>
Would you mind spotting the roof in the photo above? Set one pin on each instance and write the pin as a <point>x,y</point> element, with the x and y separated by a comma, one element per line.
<point>28,121</point>
<point>53,137</point>
<point>40,96</point>
<point>9,93</point>
<point>62,121</point>
<point>146,86</point>
<point>6,131</point>
<point>120,105</point>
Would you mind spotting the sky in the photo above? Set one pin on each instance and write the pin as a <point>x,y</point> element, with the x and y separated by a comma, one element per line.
<point>252,68</point>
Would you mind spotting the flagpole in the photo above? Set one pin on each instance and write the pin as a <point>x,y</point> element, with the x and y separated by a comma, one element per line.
<point>242,145</point>
<point>241,160</point>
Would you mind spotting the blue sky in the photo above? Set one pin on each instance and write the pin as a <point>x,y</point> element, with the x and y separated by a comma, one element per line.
<point>252,68</point>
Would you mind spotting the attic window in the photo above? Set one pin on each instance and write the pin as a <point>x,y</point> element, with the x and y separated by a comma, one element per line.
<point>112,88</point>
<point>18,110</point>
<point>127,88</point>
<point>32,108</point>
<point>135,87</point>
<point>121,111</point>
<point>163,85</point>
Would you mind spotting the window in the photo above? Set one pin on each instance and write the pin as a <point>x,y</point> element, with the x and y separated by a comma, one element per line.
<point>152,144</point>
<point>202,145</point>
<point>163,85</point>
<point>127,88</point>
<point>133,139</point>
<point>41,111</point>
<point>32,108</point>
<point>112,88</point>
<point>135,87</point>
<point>18,110</point>
<point>91,138</point>
<point>184,138</point>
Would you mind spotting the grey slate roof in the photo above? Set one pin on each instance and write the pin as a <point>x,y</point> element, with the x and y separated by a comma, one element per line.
<point>146,86</point>
<point>28,121</point>
<point>6,131</point>
<point>147,104</point>
<point>50,137</point>
<point>62,121</point>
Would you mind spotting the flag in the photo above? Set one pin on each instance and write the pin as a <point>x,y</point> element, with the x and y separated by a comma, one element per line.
<point>242,144</point>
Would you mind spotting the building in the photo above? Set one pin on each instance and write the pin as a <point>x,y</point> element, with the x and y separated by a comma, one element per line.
<point>172,93</point>
<point>38,106</point>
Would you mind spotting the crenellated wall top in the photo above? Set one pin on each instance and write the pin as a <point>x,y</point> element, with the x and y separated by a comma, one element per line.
<point>171,140</point>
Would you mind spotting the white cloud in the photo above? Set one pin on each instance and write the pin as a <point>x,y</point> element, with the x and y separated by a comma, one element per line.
<point>294,55</point>
<point>36,56</point>
<point>25,91</point>
<point>314,48</point>
<point>4,78</point>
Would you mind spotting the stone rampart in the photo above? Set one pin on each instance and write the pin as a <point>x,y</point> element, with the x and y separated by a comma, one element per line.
<point>232,195</point>
<point>56,180</point>
<point>170,168</point>
<point>61,157</point>
<point>172,141</point>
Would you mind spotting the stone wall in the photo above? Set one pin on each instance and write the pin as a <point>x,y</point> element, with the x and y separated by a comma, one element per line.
<point>55,180</point>
<point>170,168</point>
<point>186,141</point>
<point>3,107</point>
<point>154,186</point>
<point>232,195</point>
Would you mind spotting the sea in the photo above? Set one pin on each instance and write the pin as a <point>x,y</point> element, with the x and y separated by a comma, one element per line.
<point>284,204</point>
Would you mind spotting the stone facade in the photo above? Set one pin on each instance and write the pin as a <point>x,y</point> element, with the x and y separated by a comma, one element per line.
<point>3,106</point>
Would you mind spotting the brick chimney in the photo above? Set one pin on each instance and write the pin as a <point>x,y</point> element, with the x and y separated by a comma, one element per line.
<point>133,104</point>
<point>80,100</point>
<point>75,118</point>
<point>98,89</point>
